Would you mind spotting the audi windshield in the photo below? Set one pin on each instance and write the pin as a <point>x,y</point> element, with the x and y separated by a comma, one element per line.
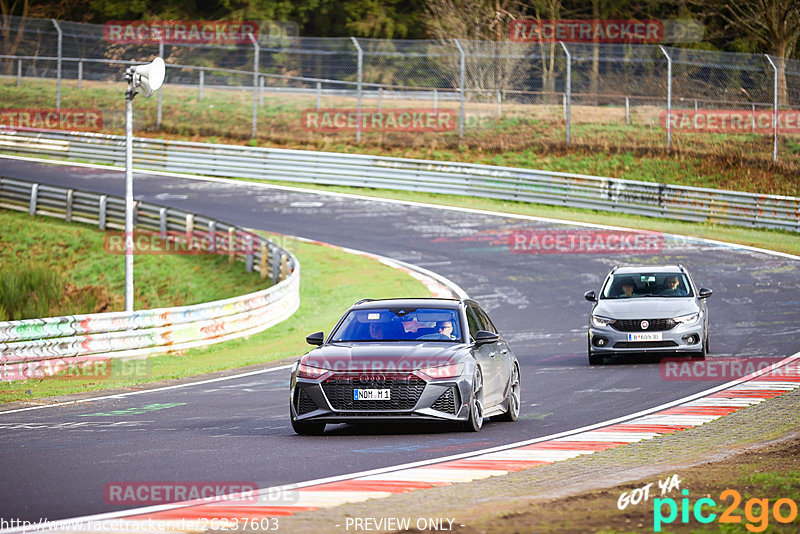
<point>399,324</point>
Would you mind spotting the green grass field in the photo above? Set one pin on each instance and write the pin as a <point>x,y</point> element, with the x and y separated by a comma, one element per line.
<point>93,280</point>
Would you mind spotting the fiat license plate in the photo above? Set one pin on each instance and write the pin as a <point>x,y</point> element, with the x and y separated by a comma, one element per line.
<point>372,394</point>
<point>645,336</point>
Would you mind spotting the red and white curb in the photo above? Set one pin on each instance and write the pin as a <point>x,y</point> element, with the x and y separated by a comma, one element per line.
<point>195,516</point>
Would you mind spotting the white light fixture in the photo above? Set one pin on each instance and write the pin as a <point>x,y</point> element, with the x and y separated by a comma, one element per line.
<point>146,79</point>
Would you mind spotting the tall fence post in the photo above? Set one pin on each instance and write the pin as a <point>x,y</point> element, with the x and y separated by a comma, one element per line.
<point>19,72</point>
<point>774,110</point>
<point>262,81</point>
<point>669,96</point>
<point>380,98</point>
<point>461,90</point>
<point>254,129</point>
<point>499,104</point>
<point>319,95</point>
<point>58,68</point>
<point>80,75</point>
<point>627,110</point>
<point>435,100</point>
<point>160,89</point>
<point>568,90</point>
<point>200,85</point>
<point>360,81</point>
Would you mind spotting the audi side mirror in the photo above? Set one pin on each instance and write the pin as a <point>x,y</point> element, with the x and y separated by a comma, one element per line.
<point>317,338</point>
<point>705,292</point>
<point>591,296</point>
<point>484,336</point>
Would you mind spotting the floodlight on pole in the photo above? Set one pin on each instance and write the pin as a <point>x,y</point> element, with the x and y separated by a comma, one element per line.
<point>146,79</point>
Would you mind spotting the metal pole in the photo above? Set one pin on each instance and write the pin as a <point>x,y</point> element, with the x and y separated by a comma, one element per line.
<point>435,100</point>
<point>254,130</point>
<point>158,112</point>
<point>319,95</point>
<point>753,118</point>
<point>19,72</point>
<point>58,69</point>
<point>627,110</point>
<point>774,111</point>
<point>129,194</point>
<point>695,115</point>
<point>669,96</point>
<point>261,83</point>
<point>568,90</point>
<point>80,75</point>
<point>360,80</point>
<point>499,104</point>
<point>200,88</point>
<point>461,90</point>
<point>380,98</point>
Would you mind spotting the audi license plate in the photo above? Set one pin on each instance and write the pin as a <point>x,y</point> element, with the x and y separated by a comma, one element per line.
<point>645,336</point>
<point>372,394</point>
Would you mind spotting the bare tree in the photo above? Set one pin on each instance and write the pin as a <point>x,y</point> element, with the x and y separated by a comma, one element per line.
<point>499,64</point>
<point>9,43</point>
<point>773,24</point>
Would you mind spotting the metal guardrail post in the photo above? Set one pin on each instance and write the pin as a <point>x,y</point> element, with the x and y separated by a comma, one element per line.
<point>101,208</point>
<point>80,75</point>
<point>568,90</point>
<point>248,259</point>
<point>256,51</point>
<point>58,68</point>
<point>319,95</point>
<point>212,236</point>
<point>774,109</point>
<point>19,72</point>
<point>360,81</point>
<point>200,86</point>
<point>34,198</point>
<point>162,222</point>
<point>669,95</point>
<point>68,207</point>
<point>461,90</point>
<point>160,89</point>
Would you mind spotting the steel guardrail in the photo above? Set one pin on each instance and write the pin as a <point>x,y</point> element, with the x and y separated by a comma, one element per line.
<point>684,203</point>
<point>37,347</point>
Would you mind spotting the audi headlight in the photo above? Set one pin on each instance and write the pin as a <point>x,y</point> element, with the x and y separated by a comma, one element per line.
<point>687,319</point>
<point>307,371</point>
<point>602,321</point>
<point>443,371</point>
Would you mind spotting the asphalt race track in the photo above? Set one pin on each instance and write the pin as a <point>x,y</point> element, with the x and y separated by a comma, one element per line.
<point>57,460</point>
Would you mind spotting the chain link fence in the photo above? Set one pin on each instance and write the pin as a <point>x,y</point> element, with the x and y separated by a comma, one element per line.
<point>494,95</point>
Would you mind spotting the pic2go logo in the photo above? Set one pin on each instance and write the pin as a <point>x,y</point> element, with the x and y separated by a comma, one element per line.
<point>756,511</point>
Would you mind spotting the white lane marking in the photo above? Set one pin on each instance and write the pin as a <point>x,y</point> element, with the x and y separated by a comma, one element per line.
<point>230,181</point>
<point>143,391</point>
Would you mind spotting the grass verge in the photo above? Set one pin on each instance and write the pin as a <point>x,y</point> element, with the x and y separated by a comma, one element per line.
<point>331,281</point>
<point>92,280</point>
